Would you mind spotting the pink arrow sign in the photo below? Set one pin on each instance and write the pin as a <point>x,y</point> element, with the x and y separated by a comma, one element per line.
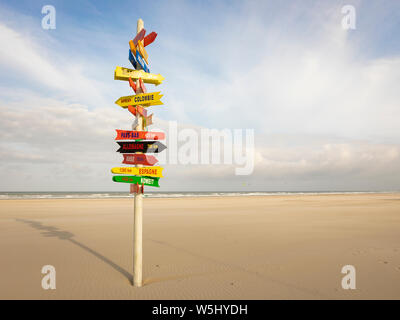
<point>139,36</point>
<point>138,158</point>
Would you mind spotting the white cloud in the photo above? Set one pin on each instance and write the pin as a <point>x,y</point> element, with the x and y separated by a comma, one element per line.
<point>326,114</point>
<point>72,148</point>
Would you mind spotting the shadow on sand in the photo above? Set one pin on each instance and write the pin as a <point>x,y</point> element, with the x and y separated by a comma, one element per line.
<point>49,231</point>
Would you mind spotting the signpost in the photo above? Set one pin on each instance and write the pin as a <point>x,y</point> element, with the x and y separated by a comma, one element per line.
<point>142,171</point>
<point>134,151</point>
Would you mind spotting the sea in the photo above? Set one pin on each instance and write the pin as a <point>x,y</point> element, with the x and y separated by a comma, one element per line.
<point>110,195</point>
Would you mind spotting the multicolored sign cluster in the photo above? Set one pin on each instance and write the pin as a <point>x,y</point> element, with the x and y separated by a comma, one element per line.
<point>140,141</point>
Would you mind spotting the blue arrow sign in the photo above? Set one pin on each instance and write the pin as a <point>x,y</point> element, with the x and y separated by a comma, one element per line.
<point>141,62</point>
<point>132,59</point>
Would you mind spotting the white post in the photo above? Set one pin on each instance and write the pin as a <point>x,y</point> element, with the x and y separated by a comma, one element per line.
<point>138,211</point>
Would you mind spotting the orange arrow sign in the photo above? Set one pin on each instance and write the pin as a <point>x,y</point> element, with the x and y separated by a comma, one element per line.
<point>132,84</point>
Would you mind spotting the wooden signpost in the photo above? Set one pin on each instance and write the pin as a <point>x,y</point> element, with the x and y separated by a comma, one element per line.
<point>134,152</point>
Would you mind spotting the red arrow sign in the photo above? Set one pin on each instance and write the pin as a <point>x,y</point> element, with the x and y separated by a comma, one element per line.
<point>132,110</point>
<point>139,36</point>
<point>132,84</point>
<point>149,38</point>
<point>144,159</point>
<point>142,111</point>
<point>134,135</point>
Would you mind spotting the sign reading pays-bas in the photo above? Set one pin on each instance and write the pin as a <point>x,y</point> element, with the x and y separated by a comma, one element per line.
<point>144,99</point>
<point>147,181</point>
<point>135,135</point>
<point>142,146</point>
<point>139,171</point>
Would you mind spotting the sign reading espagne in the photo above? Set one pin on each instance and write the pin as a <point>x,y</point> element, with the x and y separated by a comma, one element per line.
<point>139,171</point>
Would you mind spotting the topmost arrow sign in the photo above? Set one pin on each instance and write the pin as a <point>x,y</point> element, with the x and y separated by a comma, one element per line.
<point>149,38</point>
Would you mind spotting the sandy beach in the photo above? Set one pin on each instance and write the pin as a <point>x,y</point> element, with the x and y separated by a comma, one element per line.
<point>270,247</point>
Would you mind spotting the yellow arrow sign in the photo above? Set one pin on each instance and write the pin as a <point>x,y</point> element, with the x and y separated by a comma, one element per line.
<point>139,171</point>
<point>142,51</point>
<point>125,73</point>
<point>143,99</point>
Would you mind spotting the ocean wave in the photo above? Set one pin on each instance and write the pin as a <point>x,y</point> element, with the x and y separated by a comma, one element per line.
<point>110,195</point>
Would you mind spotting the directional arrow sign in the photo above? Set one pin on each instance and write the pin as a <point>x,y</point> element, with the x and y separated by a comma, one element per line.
<point>134,135</point>
<point>132,46</point>
<point>147,181</point>
<point>149,38</point>
<point>142,111</point>
<point>141,84</point>
<point>142,51</point>
<point>133,60</point>
<point>139,171</point>
<point>147,121</point>
<point>132,110</point>
<point>139,36</point>
<point>141,62</point>
<point>144,99</point>
<point>139,158</point>
<point>141,146</point>
<point>121,73</point>
<point>132,84</point>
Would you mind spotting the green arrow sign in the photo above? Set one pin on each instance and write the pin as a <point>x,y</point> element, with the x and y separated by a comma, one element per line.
<point>147,181</point>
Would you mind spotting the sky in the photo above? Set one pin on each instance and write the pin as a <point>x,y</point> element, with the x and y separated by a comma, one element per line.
<point>323,101</point>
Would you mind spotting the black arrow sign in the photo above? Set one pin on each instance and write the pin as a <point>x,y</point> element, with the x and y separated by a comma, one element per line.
<point>141,146</point>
